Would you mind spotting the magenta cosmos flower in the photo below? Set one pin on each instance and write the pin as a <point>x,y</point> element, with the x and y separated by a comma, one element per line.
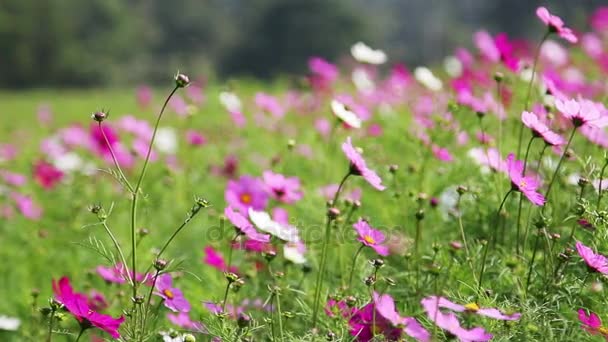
<point>540,130</point>
<point>555,24</point>
<point>527,185</point>
<point>46,174</point>
<point>246,192</point>
<point>595,262</point>
<point>582,113</point>
<point>592,323</point>
<point>243,225</point>
<point>358,167</point>
<point>474,308</point>
<point>380,318</point>
<point>281,188</point>
<point>214,259</point>
<point>76,304</point>
<point>173,297</point>
<point>449,322</point>
<point>370,237</point>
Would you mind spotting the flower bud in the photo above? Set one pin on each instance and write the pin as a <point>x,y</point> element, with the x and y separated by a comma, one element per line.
<point>461,190</point>
<point>139,299</point>
<point>181,80</point>
<point>350,301</point>
<point>270,255</point>
<point>142,232</point>
<point>333,213</point>
<point>330,336</point>
<point>291,143</point>
<point>99,116</point>
<point>393,168</point>
<point>231,277</point>
<point>243,321</point>
<point>456,245</point>
<point>499,76</point>
<point>160,264</point>
<point>420,214</point>
<point>189,338</point>
<point>377,263</point>
<point>370,281</point>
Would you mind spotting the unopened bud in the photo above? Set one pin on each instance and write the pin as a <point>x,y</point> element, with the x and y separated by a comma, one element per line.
<point>99,116</point>
<point>231,277</point>
<point>189,338</point>
<point>377,263</point>
<point>393,168</point>
<point>333,212</point>
<point>420,215</point>
<point>181,80</point>
<point>499,76</point>
<point>160,264</point>
<point>369,281</point>
<point>243,321</point>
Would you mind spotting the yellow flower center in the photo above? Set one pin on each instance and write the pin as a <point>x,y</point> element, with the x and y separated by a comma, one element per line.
<point>246,198</point>
<point>369,240</point>
<point>522,184</point>
<point>603,331</point>
<point>473,307</point>
<point>168,293</point>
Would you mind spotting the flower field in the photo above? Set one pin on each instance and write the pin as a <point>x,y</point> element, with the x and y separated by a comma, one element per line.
<point>365,200</point>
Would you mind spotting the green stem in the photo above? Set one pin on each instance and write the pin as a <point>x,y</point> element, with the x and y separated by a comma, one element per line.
<point>122,256</point>
<point>529,91</point>
<point>531,266</point>
<point>599,190</point>
<point>225,297</point>
<point>521,198</point>
<point>485,251</point>
<point>352,268</point>
<point>50,333</point>
<point>559,164</point>
<point>114,159</point>
<point>80,334</point>
<point>147,308</point>
<point>280,316</point>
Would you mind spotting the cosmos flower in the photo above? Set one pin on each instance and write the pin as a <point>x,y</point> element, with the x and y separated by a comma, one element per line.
<point>555,24</point>
<point>270,104</point>
<point>195,138</point>
<point>592,323</point>
<point>26,205</point>
<point>265,223</point>
<point>294,252</point>
<point>582,113</point>
<point>76,304</point>
<point>442,154</point>
<point>243,224</point>
<point>370,237</point>
<point>381,317</point>
<point>182,320</point>
<point>358,167</point>
<point>144,96</point>
<point>527,185</point>
<point>365,54</point>
<point>474,308</point>
<point>46,174</point>
<point>9,323</point>
<point>281,188</point>
<point>449,322</point>
<point>214,259</point>
<point>540,130</point>
<point>173,297</point>
<point>489,158</point>
<point>595,262</point>
<point>425,76</point>
<point>246,192</point>
<point>348,117</point>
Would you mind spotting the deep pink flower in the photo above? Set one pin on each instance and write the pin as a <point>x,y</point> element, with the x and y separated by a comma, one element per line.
<point>358,167</point>
<point>243,224</point>
<point>214,259</point>
<point>111,274</point>
<point>46,174</point>
<point>182,320</point>
<point>228,169</point>
<point>474,308</point>
<point>449,322</point>
<point>592,323</point>
<point>599,19</point>
<point>283,189</point>
<point>99,145</point>
<point>540,130</point>
<point>555,24</point>
<point>486,45</point>
<point>97,301</point>
<point>582,112</point>
<point>370,237</point>
<point>76,304</point>
<point>595,262</point>
<point>442,154</point>
<point>525,184</point>
<point>335,308</point>
<point>380,317</point>
<point>195,138</point>
<point>27,206</point>
<point>270,104</point>
<point>173,297</point>
<point>247,192</point>
<point>321,67</point>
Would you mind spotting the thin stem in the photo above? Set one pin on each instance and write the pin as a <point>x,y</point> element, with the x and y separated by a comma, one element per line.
<point>559,164</point>
<point>50,333</point>
<point>529,91</point>
<point>599,190</point>
<point>147,308</point>
<point>225,297</point>
<point>280,316</point>
<point>321,271</point>
<point>531,266</point>
<point>352,268</point>
<point>114,159</point>
<point>521,198</point>
<point>80,334</point>
<point>461,226</point>
<point>135,193</point>
<point>120,254</point>
<point>485,252</point>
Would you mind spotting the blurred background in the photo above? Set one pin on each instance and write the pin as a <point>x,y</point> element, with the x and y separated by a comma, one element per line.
<point>92,43</point>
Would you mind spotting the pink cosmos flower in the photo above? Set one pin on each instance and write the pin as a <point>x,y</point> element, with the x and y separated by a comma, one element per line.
<point>76,304</point>
<point>97,301</point>
<point>46,174</point>
<point>527,185</point>
<point>195,92</point>
<point>485,44</point>
<point>599,19</point>
<point>99,145</point>
<point>178,105</point>
<point>283,189</point>
<point>111,274</point>
<point>270,104</point>
<point>12,178</point>
<point>26,205</point>
<point>540,130</point>
<point>474,308</point>
<point>595,262</point>
<point>144,96</point>
<point>321,67</point>
<point>228,169</point>
<point>358,167</point>
<point>323,126</point>
<point>44,114</point>
<point>214,259</point>
<point>246,192</point>
<point>195,138</point>
<point>173,298</point>
<point>555,24</point>
<point>381,317</point>
<point>449,322</point>
<point>182,320</point>
<point>243,224</point>
<point>335,308</point>
<point>582,112</point>
<point>442,154</point>
<point>370,237</point>
<point>8,152</point>
<point>592,323</point>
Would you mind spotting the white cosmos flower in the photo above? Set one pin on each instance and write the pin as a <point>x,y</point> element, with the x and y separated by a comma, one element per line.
<point>166,140</point>
<point>362,80</point>
<point>365,54</point>
<point>263,222</point>
<point>9,323</point>
<point>425,76</point>
<point>230,101</point>
<point>293,252</point>
<point>344,114</point>
<point>452,66</point>
<point>68,162</point>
